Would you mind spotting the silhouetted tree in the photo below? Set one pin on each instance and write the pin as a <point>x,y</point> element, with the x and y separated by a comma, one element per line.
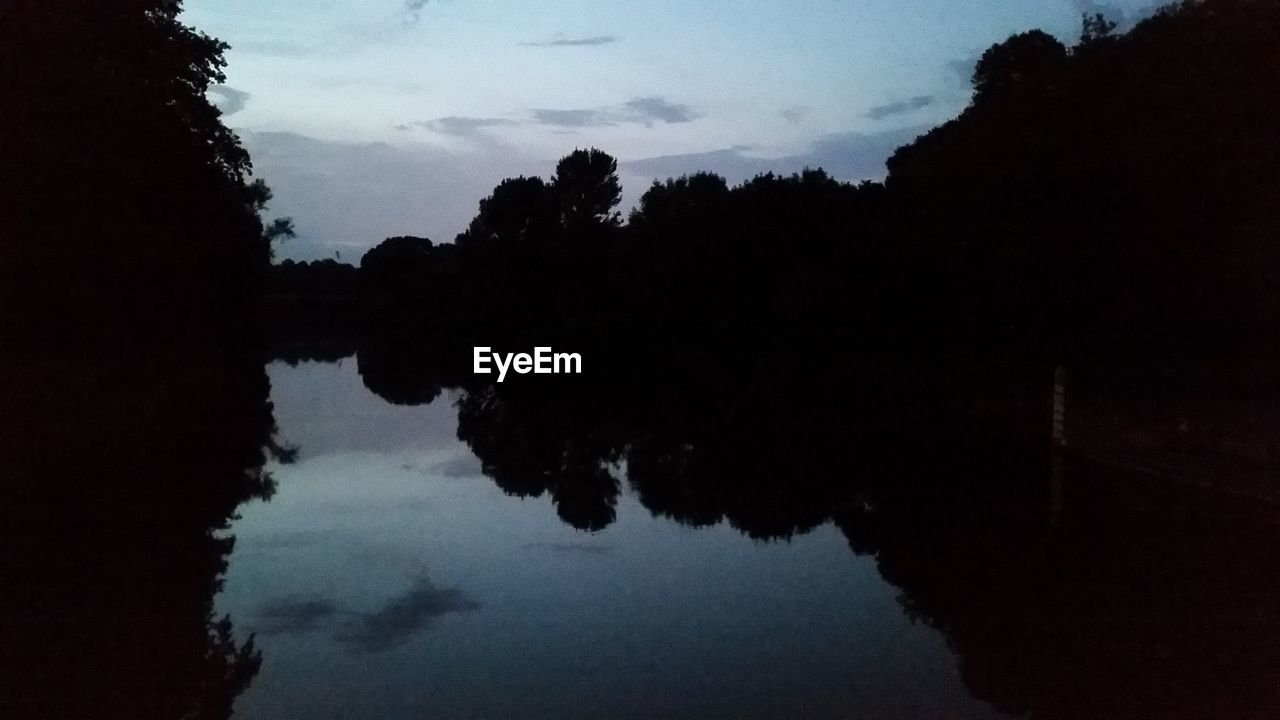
<point>326,277</point>
<point>1085,205</point>
<point>1096,28</point>
<point>396,373</point>
<point>587,190</point>
<point>1030,62</point>
<point>1085,199</point>
<point>519,215</point>
<point>395,253</point>
<point>124,474</point>
<point>684,217</point>
<point>135,204</point>
<point>1143,602</point>
<point>396,262</point>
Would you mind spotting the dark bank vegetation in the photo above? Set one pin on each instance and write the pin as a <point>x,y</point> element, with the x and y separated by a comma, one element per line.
<point>134,408</point>
<point>1109,207</point>
<point>776,355</point>
<point>126,206</point>
<point>122,474</point>
<point>1113,198</point>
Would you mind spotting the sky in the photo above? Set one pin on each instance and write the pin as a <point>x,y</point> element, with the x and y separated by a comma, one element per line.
<point>374,118</point>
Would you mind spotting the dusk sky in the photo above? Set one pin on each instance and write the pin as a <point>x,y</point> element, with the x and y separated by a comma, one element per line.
<point>372,118</point>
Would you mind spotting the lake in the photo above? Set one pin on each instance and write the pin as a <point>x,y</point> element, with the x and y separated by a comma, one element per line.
<point>389,577</point>
<point>188,534</point>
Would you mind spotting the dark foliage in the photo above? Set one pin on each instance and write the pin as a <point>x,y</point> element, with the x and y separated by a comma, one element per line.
<point>121,478</point>
<point>1113,198</point>
<point>312,310</point>
<point>134,412</point>
<point>126,205</point>
<point>322,277</point>
<point>773,355</point>
<point>1117,193</point>
<point>796,350</point>
<point>1066,588</point>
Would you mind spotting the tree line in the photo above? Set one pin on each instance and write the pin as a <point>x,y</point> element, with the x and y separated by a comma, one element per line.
<point>1114,196</point>
<point>127,207</point>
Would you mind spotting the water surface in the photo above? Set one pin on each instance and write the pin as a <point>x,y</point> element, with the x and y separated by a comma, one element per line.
<point>388,577</point>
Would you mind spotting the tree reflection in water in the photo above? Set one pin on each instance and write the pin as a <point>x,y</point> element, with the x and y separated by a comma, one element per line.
<point>1132,598</point>
<point>123,468</point>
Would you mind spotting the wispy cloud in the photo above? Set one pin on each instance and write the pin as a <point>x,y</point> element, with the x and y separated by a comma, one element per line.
<point>460,126</point>
<point>413,11</point>
<point>794,115</point>
<point>642,110</point>
<point>364,632</point>
<point>403,616</point>
<point>572,118</point>
<point>575,42</point>
<point>228,99</point>
<point>881,112</point>
<point>657,108</point>
<point>293,615</point>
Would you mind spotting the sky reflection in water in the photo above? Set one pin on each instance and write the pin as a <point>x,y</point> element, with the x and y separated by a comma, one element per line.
<point>389,578</point>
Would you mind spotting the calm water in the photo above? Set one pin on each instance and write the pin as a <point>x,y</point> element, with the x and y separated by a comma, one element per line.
<point>612,550</point>
<point>389,578</point>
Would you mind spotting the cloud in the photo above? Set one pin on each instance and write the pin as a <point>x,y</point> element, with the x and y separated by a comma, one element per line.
<point>364,632</point>
<point>572,118</point>
<point>642,110</point>
<point>403,616</point>
<point>655,107</point>
<point>413,11</point>
<point>228,99</point>
<point>292,615</point>
<point>459,126</point>
<point>903,107</point>
<point>847,156</point>
<point>794,115</point>
<point>574,42</point>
